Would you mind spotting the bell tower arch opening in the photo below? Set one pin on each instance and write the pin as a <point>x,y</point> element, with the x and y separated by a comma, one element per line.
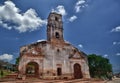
<point>57,35</point>
<point>56,19</point>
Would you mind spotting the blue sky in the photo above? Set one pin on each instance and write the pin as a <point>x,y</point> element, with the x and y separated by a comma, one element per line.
<point>93,26</point>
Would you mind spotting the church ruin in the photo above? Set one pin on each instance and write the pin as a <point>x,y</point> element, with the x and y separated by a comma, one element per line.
<point>54,58</point>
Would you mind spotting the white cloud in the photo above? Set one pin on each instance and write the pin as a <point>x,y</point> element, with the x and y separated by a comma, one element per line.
<point>117,29</point>
<point>118,54</point>
<point>7,57</point>
<point>80,4</point>
<point>105,55</point>
<point>80,45</point>
<point>10,18</point>
<point>116,43</point>
<point>71,19</point>
<point>60,10</point>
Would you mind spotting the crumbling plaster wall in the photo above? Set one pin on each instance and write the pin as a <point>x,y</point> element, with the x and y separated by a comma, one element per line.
<point>60,55</point>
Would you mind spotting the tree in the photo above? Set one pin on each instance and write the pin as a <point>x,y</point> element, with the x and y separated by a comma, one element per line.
<point>17,60</point>
<point>99,66</point>
<point>1,73</point>
<point>15,68</point>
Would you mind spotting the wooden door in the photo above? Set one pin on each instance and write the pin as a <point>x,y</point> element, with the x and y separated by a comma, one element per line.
<point>59,71</point>
<point>77,71</point>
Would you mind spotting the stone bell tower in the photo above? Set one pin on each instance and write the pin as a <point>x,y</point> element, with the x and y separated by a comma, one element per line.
<point>55,27</point>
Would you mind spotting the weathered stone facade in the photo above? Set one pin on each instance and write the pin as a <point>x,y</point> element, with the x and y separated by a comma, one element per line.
<point>53,58</point>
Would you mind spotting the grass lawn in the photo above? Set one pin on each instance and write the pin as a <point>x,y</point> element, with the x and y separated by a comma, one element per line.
<point>5,72</point>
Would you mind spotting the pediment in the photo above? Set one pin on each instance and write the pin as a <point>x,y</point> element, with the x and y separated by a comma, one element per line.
<point>76,56</point>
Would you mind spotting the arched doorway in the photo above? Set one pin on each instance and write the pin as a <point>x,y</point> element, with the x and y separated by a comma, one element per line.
<point>32,69</point>
<point>77,71</point>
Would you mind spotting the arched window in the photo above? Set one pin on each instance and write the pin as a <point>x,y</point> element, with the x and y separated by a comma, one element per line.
<point>57,35</point>
<point>58,50</point>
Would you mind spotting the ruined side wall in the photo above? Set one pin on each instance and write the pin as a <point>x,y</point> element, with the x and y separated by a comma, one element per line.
<point>30,53</point>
